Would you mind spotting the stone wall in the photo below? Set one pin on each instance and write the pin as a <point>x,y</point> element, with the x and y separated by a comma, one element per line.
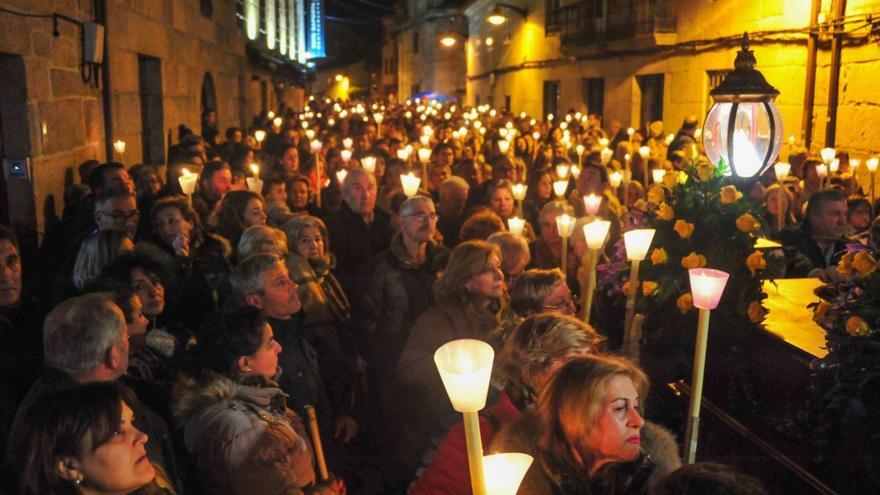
<point>187,43</point>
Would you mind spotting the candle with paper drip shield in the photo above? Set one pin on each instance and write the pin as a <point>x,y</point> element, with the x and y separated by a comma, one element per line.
<point>827,155</point>
<point>347,143</point>
<point>575,171</point>
<point>579,149</point>
<point>465,368</point>
<point>834,166</point>
<point>592,203</point>
<point>504,472</point>
<point>259,135</point>
<point>605,155</point>
<point>707,286</point>
<point>315,145</point>
<point>188,181</point>
<point>519,194</point>
<point>559,188</point>
<point>276,123</point>
<point>369,164</point>
<point>345,155</point>
<point>310,134</point>
<point>119,147</point>
<point>854,164</point>
<point>340,176</point>
<point>781,169</point>
<point>564,227</point>
<point>516,225</point>
<point>254,183</point>
<point>595,234</point>
<point>637,244</point>
<point>871,165</point>
<point>562,171</point>
<point>503,146</point>
<point>403,154</point>
<point>410,184</point>
<point>424,155</point>
<point>657,174</point>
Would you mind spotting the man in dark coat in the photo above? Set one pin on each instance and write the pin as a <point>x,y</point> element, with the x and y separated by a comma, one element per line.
<point>683,138</point>
<point>814,248</point>
<point>358,231</point>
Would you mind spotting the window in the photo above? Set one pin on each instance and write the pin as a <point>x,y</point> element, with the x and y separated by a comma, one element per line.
<point>207,8</point>
<point>593,94</point>
<point>507,102</point>
<point>651,87</point>
<point>551,98</point>
<point>152,116</point>
<point>415,41</point>
<point>715,78</point>
<point>551,16</point>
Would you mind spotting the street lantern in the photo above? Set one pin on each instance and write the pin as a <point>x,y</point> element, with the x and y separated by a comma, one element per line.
<point>743,127</point>
<point>496,16</point>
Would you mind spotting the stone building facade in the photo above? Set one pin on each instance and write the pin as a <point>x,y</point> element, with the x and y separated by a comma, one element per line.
<point>167,61</point>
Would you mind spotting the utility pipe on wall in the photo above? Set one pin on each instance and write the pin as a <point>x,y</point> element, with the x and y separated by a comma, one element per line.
<point>810,84</point>
<point>834,79</point>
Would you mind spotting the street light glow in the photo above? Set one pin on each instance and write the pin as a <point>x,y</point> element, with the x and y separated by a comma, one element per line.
<point>496,17</point>
<point>447,41</point>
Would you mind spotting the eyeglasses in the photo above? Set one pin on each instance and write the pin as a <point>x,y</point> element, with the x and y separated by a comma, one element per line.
<point>566,303</point>
<point>421,217</point>
<point>122,218</point>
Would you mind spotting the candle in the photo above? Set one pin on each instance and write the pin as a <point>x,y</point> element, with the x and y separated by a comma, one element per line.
<point>345,155</point>
<point>369,164</point>
<point>310,134</point>
<point>119,146</point>
<point>259,135</point>
<point>670,138</point>
<point>615,178</point>
<point>271,115</point>
<point>637,243</point>
<point>854,164</point>
<point>827,155</point>
<point>595,234</point>
<point>592,202</point>
<point>503,146</point>
<point>305,124</point>
<point>427,131</point>
<point>657,174</point>
<point>519,191</point>
<point>254,184</point>
<point>605,155</point>
<point>781,169</point>
<point>564,227</point>
<point>378,117</point>
<point>340,176</point>
<point>502,132</point>
<point>707,285</point>
<point>575,171</point>
<point>316,145</point>
<point>410,184</point>
<point>536,136</point>
<point>559,187</point>
<point>822,171</point>
<point>871,164</point>
<point>603,142</point>
<point>347,142</point>
<point>403,154</point>
<point>562,171</point>
<point>644,152</point>
<point>255,169</point>
<point>516,225</point>
<point>187,181</point>
<point>276,122</point>
<point>629,132</point>
<point>504,472</point>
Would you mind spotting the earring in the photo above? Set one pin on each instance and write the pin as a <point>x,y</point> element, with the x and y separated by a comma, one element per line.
<point>77,481</point>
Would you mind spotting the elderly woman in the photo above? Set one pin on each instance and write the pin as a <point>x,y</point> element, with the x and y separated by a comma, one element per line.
<point>82,440</point>
<point>238,211</point>
<point>201,261</point>
<point>325,306</point>
<point>261,239</point>
<point>515,255</point>
<point>234,418</point>
<point>532,353</point>
<point>537,291</point>
<point>470,302</point>
<point>587,435</point>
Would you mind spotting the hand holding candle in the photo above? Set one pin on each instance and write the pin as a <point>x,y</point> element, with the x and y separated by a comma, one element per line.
<point>595,234</point>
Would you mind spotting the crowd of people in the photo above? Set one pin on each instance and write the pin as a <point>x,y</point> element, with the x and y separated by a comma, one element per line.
<point>181,341</point>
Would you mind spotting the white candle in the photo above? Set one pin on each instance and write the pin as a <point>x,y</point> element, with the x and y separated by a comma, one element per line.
<point>781,169</point>
<point>615,178</point>
<point>347,142</point>
<point>854,163</point>
<point>827,155</point>
<point>821,171</point>
<point>410,184</point>
<point>369,163</point>
<point>340,176</point>
<point>871,164</point>
<point>562,171</point>
<point>707,285</point>
<point>465,367</point>
<point>516,225</point>
<point>592,202</point>
<point>187,181</point>
<point>834,166</point>
<point>595,233</point>
<point>644,152</point>
<point>259,135</point>
<point>505,472</point>
<point>316,145</point>
<point>606,154</point>
<point>565,225</point>
<point>345,155</point>
<point>559,187</point>
<point>657,174</point>
<point>637,243</point>
<point>119,146</point>
<point>503,146</point>
<point>519,191</point>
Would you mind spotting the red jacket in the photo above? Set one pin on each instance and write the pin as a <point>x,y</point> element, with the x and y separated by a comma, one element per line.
<point>448,472</point>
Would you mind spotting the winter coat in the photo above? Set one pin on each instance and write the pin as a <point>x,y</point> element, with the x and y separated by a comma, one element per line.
<point>548,475</point>
<point>448,472</point>
<point>803,254</point>
<point>354,242</point>
<point>396,291</point>
<point>243,437</point>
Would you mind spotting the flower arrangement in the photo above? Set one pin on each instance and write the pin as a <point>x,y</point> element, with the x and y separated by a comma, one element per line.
<point>846,382</point>
<point>701,220</point>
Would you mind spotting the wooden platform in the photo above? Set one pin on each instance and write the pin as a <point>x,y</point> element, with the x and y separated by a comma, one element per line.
<point>789,319</point>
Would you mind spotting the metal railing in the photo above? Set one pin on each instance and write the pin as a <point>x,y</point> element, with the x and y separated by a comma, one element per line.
<point>586,22</point>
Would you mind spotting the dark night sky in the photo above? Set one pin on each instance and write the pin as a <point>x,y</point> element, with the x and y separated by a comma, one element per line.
<point>354,31</point>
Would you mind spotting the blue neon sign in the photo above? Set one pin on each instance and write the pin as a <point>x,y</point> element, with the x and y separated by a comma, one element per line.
<point>315,25</point>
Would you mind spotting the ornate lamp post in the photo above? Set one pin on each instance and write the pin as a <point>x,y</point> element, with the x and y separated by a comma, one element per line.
<point>743,127</point>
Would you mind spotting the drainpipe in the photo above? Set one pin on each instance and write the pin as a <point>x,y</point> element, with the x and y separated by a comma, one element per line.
<point>102,18</point>
<point>810,86</point>
<point>834,83</point>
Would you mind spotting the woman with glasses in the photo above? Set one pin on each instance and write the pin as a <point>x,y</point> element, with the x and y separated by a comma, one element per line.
<point>531,355</point>
<point>470,302</point>
<point>537,291</point>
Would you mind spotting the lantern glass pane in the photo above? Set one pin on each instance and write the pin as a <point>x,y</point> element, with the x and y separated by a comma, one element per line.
<point>715,131</point>
<point>751,137</point>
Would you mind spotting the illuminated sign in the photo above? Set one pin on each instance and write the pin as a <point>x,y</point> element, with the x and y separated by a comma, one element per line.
<point>315,25</point>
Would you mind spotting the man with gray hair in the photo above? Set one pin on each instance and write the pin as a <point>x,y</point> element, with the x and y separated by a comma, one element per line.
<point>397,289</point>
<point>453,194</point>
<point>358,231</point>
<point>85,340</point>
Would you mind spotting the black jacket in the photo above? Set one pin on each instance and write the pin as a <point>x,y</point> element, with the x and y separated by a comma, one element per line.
<point>803,254</point>
<point>354,242</point>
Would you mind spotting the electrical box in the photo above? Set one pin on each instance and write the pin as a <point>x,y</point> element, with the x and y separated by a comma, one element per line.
<point>93,42</point>
<point>16,169</point>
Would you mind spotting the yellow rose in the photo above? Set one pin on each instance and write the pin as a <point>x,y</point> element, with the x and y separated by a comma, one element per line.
<point>705,171</point>
<point>820,312</point>
<point>641,206</point>
<point>658,256</point>
<point>693,260</point>
<point>670,179</point>
<point>864,263</point>
<point>845,266</point>
<point>756,262</point>
<point>747,223</point>
<point>756,312</point>
<point>656,194</point>
<point>685,303</point>
<point>730,195</point>
<point>683,228</point>
<point>649,288</point>
<point>856,326</point>
<point>665,212</point>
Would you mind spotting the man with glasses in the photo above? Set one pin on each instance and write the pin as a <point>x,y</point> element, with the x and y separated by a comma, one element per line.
<point>116,209</point>
<point>397,289</point>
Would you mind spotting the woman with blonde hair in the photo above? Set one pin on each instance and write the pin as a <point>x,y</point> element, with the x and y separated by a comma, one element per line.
<point>532,353</point>
<point>587,434</point>
<point>515,254</point>
<point>261,239</point>
<point>470,302</point>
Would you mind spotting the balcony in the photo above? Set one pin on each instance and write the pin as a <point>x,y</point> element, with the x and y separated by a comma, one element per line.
<point>588,22</point>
